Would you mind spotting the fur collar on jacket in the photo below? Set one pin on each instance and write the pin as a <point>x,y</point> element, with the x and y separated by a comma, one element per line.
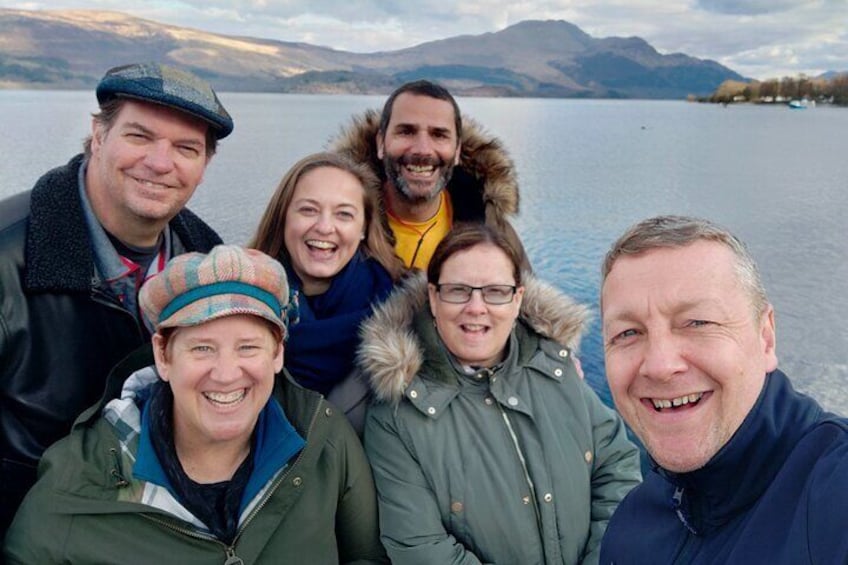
<point>391,353</point>
<point>483,158</point>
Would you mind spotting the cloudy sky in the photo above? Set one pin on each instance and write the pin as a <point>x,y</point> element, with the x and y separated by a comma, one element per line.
<point>757,38</point>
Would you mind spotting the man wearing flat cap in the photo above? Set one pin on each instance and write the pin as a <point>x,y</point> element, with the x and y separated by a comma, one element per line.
<point>75,249</point>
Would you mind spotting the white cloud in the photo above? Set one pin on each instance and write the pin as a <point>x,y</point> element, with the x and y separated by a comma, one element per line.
<point>759,38</point>
<point>748,7</point>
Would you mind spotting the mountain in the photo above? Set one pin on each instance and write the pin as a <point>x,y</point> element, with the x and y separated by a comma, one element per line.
<point>830,75</point>
<point>73,48</point>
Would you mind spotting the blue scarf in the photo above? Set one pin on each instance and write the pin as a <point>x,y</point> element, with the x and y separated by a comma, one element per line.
<point>321,348</point>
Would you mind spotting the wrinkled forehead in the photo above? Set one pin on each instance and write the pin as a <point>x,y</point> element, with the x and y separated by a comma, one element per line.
<point>150,114</point>
<point>228,325</point>
<point>422,111</point>
<point>701,270</point>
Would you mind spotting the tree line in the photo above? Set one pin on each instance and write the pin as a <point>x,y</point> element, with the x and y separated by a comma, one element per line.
<point>832,90</point>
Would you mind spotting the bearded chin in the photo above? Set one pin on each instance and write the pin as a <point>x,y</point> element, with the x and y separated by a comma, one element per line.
<point>403,188</point>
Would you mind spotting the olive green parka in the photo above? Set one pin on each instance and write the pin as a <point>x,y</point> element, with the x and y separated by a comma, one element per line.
<point>518,465</point>
<point>88,508</point>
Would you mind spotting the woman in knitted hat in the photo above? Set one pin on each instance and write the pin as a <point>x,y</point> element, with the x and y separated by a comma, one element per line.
<point>323,224</point>
<point>204,456</point>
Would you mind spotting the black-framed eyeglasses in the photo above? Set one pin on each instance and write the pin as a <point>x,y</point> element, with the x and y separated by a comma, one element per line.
<point>455,293</point>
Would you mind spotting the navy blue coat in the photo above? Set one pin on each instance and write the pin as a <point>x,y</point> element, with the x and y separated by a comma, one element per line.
<point>776,493</point>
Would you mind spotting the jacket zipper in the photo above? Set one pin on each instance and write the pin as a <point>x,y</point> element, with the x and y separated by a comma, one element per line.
<point>232,559</point>
<point>689,546</point>
<point>523,462</point>
<point>229,550</point>
<point>279,480</point>
<point>107,300</point>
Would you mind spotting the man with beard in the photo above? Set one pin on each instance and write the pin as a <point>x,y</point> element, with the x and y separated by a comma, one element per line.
<point>436,171</point>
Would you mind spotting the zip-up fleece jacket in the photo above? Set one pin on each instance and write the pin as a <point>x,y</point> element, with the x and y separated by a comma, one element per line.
<point>776,494</point>
<point>483,187</point>
<point>519,465</point>
<point>61,331</point>
<point>87,507</point>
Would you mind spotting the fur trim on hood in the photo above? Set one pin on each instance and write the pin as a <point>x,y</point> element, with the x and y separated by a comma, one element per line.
<point>483,157</point>
<point>391,355</point>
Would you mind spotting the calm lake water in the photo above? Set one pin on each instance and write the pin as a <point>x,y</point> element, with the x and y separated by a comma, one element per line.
<point>588,169</point>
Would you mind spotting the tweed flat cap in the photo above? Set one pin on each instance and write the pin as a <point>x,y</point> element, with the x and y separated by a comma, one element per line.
<point>161,84</point>
<point>195,288</point>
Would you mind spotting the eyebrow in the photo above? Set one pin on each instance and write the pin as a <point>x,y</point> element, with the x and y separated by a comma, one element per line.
<point>617,317</point>
<point>415,126</point>
<point>138,126</point>
<point>629,314</point>
<point>318,203</point>
<point>440,129</point>
<point>147,131</point>
<point>207,340</point>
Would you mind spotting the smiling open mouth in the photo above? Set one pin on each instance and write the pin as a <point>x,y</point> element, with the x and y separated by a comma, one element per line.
<point>321,245</point>
<point>149,183</point>
<point>226,398</point>
<point>420,169</point>
<point>670,404</point>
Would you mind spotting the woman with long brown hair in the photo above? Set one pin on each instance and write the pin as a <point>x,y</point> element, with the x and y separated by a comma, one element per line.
<point>323,224</point>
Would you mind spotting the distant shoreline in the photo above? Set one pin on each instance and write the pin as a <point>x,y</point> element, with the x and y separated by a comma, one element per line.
<point>797,92</point>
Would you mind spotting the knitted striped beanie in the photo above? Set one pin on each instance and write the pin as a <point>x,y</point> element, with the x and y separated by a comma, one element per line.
<point>195,288</point>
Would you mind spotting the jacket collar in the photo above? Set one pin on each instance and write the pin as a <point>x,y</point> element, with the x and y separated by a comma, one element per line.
<point>59,254</point>
<point>710,496</point>
<point>393,350</point>
<point>109,264</point>
<point>58,248</point>
<point>275,441</point>
<point>483,160</point>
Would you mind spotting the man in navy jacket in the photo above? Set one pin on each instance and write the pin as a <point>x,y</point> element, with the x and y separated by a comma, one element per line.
<point>746,470</point>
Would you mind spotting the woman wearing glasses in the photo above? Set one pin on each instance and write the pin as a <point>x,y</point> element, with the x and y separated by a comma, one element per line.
<point>486,445</point>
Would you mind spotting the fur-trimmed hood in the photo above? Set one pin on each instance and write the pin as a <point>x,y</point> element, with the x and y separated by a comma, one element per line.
<point>391,353</point>
<point>483,161</point>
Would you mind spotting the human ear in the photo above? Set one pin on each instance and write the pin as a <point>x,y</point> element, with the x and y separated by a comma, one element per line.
<point>160,357</point>
<point>278,359</point>
<point>519,296</point>
<point>434,295</point>
<point>380,145</point>
<point>768,335</point>
<point>97,133</point>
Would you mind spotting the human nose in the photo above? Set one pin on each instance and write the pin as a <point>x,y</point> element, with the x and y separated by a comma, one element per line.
<point>324,223</point>
<point>475,301</point>
<point>159,157</point>
<point>422,144</point>
<point>663,358</point>
<point>227,368</point>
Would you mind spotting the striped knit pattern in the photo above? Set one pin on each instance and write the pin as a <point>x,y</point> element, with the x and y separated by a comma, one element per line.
<point>195,288</point>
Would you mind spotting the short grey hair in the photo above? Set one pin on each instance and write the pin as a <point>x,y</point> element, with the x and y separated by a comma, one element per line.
<point>679,231</point>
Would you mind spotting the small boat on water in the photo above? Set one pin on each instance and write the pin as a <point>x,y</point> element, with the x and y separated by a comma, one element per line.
<point>797,105</point>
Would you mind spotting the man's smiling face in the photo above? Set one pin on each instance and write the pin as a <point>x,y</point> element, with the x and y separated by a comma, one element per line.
<point>686,354</point>
<point>146,166</point>
<point>420,146</point>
